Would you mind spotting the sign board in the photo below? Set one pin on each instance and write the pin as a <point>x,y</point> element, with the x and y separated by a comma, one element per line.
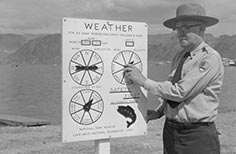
<point>98,101</point>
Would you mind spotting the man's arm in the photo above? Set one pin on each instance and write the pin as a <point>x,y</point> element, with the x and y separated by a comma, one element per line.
<point>192,83</point>
<point>156,114</point>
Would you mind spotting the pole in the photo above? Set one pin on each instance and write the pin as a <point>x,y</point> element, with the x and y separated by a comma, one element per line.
<point>102,146</point>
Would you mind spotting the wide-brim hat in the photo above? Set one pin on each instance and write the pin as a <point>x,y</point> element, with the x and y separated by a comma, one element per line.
<point>190,12</point>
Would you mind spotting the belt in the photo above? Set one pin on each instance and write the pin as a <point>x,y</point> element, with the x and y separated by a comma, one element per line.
<point>186,125</point>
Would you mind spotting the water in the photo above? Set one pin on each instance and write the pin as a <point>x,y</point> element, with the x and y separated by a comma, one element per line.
<point>31,90</point>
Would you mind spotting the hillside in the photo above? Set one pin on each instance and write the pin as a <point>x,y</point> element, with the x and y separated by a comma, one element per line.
<point>227,46</point>
<point>163,49</point>
<point>46,49</point>
<point>10,43</point>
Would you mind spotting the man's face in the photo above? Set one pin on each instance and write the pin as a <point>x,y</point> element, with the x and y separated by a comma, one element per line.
<point>185,27</point>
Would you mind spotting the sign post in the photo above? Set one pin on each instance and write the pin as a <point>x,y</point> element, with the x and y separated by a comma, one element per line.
<point>102,146</point>
<point>98,101</point>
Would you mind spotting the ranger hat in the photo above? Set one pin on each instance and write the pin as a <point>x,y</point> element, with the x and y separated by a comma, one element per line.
<point>190,11</point>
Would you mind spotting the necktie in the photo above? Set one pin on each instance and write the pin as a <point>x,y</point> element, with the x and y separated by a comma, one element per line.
<point>177,77</point>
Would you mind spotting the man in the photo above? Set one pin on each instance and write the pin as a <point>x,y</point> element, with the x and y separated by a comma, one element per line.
<point>191,95</point>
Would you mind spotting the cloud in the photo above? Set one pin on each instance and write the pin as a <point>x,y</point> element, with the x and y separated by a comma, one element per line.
<point>45,15</point>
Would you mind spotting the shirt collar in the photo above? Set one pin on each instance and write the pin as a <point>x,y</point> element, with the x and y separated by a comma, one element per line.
<point>198,48</point>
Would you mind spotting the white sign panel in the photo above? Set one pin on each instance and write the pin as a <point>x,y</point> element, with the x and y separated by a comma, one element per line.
<point>98,101</point>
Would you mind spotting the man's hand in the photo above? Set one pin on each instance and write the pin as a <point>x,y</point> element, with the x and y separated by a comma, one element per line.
<point>152,115</point>
<point>134,74</point>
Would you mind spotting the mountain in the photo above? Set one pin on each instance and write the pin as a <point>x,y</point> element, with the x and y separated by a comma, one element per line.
<point>46,49</point>
<point>164,49</point>
<point>159,38</point>
<point>9,43</point>
<point>227,46</point>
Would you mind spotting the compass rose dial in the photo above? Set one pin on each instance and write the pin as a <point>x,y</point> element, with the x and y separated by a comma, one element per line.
<point>118,63</point>
<point>86,67</point>
<point>86,107</point>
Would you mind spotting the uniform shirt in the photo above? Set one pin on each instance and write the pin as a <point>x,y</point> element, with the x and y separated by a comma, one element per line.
<point>198,89</point>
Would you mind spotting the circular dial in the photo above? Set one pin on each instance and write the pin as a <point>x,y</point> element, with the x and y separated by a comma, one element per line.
<point>86,107</point>
<point>118,63</point>
<point>86,67</point>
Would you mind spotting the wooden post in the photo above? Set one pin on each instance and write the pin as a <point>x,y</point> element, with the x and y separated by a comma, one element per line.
<point>102,146</point>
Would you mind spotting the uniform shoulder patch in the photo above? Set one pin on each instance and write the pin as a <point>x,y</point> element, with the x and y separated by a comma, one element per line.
<point>204,65</point>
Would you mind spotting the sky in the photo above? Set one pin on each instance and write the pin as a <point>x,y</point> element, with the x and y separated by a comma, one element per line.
<point>45,16</point>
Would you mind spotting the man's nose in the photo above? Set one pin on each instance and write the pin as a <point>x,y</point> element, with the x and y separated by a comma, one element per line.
<point>181,32</point>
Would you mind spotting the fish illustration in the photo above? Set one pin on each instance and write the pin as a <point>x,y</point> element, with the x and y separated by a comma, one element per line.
<point>127,112</point>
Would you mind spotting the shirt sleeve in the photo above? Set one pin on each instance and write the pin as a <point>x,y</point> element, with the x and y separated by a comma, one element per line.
<point>193,82</point>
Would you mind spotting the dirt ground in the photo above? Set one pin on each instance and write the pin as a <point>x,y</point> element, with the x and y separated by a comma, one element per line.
<point>47,139</point>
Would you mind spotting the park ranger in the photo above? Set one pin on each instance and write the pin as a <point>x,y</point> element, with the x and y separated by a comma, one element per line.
<point>191,95</point>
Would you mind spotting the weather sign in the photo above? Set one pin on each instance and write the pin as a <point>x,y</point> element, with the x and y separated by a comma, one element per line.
<point>98,100</point>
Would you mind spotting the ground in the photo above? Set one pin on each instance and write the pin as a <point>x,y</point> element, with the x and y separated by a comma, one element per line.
<point>47,139</point>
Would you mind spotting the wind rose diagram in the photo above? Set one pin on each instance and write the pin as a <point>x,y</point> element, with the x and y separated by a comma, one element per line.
<point>86,107</point>
<point>119,62</point>
<point>86,67</point>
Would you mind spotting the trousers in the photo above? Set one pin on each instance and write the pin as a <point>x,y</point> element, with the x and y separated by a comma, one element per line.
<point>190,138</point>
